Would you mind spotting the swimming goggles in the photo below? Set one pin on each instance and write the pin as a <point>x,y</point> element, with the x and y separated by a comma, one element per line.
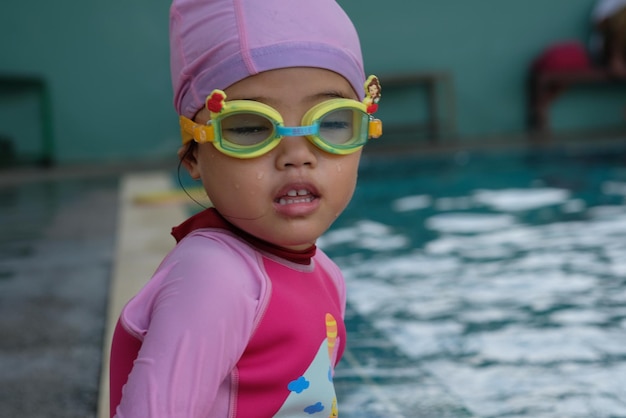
<point>249,129</point>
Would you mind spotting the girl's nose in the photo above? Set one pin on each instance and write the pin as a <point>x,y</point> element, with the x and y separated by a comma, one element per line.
<point>296,151</point>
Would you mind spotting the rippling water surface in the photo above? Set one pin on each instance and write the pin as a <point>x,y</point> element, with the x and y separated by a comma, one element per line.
<point>486,285</point>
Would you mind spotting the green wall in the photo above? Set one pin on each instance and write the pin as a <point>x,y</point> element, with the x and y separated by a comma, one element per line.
<point>107,67</point>
<point>487,46</point>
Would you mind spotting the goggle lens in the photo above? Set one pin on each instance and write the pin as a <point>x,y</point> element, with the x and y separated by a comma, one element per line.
<point>337,127</point>
<point>245,129</point>
<point>344,127</point>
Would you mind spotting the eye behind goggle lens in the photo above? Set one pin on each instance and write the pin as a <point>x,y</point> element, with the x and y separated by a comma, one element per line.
<point>344,127</point>
<point>246,129</point>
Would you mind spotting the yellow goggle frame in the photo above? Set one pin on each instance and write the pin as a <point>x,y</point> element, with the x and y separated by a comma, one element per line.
<point>249,129</point>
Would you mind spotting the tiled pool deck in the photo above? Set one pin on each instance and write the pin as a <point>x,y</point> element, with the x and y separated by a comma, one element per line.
<point>56,250</point>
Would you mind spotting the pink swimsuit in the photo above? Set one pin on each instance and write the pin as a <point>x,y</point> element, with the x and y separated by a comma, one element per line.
<point>224,329</point>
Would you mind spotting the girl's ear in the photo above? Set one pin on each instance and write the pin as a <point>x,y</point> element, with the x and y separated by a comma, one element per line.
<point>188,155</point>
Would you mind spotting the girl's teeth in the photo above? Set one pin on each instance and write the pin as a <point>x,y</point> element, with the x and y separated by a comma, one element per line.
<point>296,196</point>
<point>294,193</point>
<point>284,201</point>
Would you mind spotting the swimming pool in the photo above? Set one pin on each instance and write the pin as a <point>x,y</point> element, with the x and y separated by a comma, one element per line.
<point>486,284</point>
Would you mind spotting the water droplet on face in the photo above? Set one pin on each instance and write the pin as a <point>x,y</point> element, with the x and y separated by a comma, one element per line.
<point>260,175</point>
<point>339,168</point>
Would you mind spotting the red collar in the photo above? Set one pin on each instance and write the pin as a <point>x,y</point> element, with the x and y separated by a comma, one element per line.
<point>211,218</point>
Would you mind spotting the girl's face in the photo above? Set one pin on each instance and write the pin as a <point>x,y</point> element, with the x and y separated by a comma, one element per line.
<point>292,194</point>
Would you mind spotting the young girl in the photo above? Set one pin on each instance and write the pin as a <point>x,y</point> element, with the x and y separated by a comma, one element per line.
<point>244,317</point>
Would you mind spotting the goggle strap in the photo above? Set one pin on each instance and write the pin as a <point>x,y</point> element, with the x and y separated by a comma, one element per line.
<point>197,132</point>
<point>297,130</point>
<point>186,128</point>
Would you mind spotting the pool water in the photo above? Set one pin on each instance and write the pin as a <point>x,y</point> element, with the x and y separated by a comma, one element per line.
<point>486,284</point>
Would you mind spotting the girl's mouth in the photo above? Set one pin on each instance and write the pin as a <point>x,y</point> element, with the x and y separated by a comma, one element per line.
<point>296,196</point>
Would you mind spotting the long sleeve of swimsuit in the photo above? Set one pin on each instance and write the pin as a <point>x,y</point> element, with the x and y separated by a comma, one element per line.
<point>194,319</point>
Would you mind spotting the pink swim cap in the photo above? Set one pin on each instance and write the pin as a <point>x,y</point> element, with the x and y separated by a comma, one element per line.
<point>215,43</point>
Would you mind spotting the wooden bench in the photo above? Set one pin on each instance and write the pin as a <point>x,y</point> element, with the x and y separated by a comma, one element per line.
<point>545,87</point>
<point>17,83</point>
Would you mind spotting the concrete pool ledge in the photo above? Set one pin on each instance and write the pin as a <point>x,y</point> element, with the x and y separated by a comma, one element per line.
<point>142,241</point>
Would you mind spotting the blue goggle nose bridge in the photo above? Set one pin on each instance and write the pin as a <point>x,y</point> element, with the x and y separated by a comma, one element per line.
<point>298,130</point>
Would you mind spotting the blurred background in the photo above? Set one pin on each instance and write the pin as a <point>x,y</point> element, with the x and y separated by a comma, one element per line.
<point>84,82</point>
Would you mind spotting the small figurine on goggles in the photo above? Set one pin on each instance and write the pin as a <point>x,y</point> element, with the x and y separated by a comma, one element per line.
<point>249,129</point>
